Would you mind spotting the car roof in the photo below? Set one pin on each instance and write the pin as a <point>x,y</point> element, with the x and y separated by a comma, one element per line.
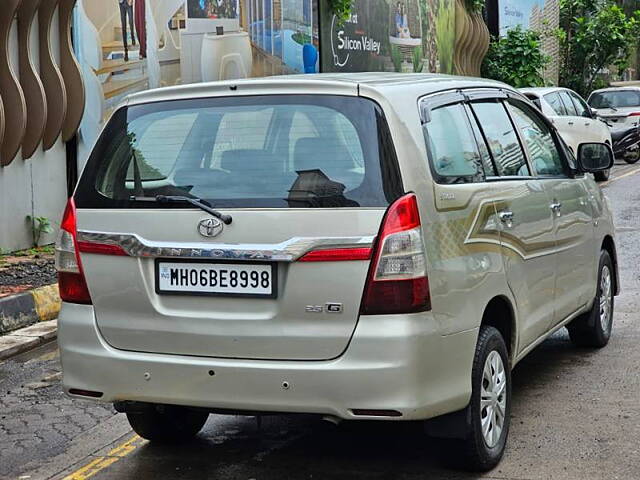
<point>541,90</point>
<point>616,89</point>
<point>386,83</point>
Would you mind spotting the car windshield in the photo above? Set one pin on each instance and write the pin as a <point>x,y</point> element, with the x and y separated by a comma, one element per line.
<point>615,99</point>
<point>245,152</point>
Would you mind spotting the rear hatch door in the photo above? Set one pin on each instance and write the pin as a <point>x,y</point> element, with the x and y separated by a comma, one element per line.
<point>296,174</point>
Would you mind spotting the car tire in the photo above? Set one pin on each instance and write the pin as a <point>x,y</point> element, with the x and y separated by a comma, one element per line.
<point>593,329</point>
<point>167,423</point>
<point>602,176</point>
<point>487,433</point>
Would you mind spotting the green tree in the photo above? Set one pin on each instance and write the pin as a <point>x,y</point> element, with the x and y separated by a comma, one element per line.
<point>446,34</point>
<point>594,34</point>
<point>516,59</point>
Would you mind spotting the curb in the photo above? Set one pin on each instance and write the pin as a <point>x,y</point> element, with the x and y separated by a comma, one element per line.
<point>28,308</point>
<point>28,338</point>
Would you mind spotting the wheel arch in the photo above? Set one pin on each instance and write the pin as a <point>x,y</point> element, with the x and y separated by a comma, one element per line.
<point>500,314</point>
<point>609,246</point>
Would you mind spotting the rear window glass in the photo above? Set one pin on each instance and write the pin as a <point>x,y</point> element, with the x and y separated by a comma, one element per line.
<point>293,151</point>
<point>615,99</point>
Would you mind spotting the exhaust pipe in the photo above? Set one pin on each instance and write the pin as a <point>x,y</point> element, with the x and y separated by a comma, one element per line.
<point>332,419</point>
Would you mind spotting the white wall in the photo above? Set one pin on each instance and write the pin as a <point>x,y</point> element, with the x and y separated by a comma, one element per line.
<point>105,15</point>
<point>37,186</point>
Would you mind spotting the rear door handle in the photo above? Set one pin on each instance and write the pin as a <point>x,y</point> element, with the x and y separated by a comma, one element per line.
<point>569,123</point>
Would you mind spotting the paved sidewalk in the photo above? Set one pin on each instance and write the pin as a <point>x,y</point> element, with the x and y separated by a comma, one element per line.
<point>37,421</point>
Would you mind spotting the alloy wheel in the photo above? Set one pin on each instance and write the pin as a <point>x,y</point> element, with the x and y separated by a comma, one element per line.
<point>493,399</point>
<point>606,297</point>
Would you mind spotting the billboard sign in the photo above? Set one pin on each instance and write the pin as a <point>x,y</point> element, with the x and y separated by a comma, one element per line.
<point>518,12</point>
<point>390,35</point>
<point>205,15</point>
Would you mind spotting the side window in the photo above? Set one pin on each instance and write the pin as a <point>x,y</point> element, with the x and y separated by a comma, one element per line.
<point>581,105</point>
<point>543,153</point>
<point>487,161</point>
<point>502,139</point>
<point>568,104</point>
<point>455,157</point>
<point>553,99</point>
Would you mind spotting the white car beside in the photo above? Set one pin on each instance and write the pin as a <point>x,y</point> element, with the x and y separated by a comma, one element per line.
<point>572,116</point>
<point>619,106</point>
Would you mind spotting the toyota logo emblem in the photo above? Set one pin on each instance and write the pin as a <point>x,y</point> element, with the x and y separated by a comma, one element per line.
<point>210,227</point>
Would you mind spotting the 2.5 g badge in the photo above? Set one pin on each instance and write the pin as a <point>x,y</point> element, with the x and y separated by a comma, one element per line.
<point>328,308</point>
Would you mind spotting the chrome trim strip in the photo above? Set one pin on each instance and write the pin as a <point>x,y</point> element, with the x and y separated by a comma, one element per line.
<point>287,251</point>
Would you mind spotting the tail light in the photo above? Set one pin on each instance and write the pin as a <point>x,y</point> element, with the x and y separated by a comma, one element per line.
<point>71,281</point>
<point>397,280</point>
<point>634,114</point>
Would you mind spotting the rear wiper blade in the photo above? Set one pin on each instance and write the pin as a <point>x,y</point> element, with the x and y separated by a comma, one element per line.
<point>196,202</point>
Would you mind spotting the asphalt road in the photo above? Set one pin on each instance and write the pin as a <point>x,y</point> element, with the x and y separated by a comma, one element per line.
<point>575,415</point>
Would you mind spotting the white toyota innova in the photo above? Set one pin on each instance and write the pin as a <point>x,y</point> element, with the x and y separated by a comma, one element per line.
<point>360,246</point>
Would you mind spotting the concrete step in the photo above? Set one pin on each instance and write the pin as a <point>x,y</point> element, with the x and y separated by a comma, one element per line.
<point>114,88</point>
<point>119,65</point>
<point>117,46</point>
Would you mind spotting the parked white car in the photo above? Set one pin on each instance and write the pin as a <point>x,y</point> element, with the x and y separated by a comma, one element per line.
<point>572,116</point>
<point>620,106</point>
<point>360,246</point>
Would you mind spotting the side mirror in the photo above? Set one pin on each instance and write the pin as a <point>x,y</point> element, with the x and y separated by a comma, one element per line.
<point>594,157</point>
<point>594,112</point>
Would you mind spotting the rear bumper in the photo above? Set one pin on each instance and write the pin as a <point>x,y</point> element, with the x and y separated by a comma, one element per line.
<point>398,362</point>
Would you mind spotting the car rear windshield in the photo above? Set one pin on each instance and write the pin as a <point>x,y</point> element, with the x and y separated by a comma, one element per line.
<point>276,151</point>
<point>615,99</point>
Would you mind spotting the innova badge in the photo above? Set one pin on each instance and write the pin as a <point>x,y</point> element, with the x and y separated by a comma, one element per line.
<point>210,227</point>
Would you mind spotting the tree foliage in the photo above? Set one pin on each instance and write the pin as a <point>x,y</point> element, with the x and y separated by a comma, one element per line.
<point>594,34</point>
<point>516,59</point>
<point>341,9</point>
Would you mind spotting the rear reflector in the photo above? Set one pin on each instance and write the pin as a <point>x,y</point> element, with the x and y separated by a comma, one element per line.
<point>337,255</point>
<point>376,413</point>
<point>101,249</point>
<point>73,288</point>
<point>85,393</point>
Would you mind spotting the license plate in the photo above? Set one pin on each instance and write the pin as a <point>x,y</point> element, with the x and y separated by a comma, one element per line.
<point>242,279</point>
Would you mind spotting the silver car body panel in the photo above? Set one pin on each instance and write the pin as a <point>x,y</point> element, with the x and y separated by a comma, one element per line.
<point>333,363</point>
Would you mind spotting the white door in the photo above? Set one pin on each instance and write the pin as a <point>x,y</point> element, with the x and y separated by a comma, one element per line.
<point>595,130</point>
<point>573,127</point>
<point>581,127</point>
